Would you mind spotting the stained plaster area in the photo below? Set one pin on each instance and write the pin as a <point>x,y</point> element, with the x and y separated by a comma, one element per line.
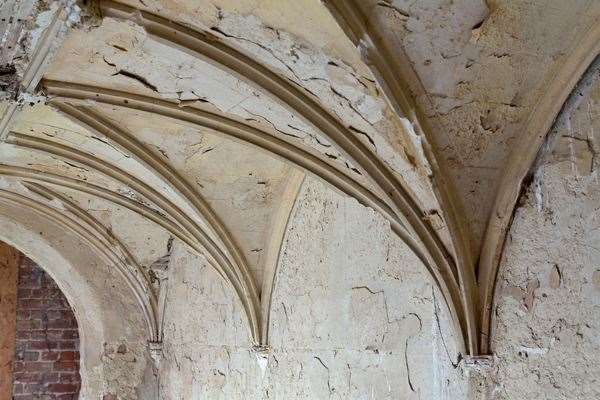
<point>482,66</point>
<point>341,270</point>
<point>547,302</point>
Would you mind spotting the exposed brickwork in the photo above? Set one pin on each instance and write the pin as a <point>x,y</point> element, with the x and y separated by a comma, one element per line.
<point>9,271</point>
<point>47,343</point>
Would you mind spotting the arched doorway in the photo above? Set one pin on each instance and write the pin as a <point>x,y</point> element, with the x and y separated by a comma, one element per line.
<point>41,348</point>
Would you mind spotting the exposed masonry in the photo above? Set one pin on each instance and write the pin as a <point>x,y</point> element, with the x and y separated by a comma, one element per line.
<point>9,273</point>
<point>23,25</point>
<point>353,312</point>
<point>47,341</point>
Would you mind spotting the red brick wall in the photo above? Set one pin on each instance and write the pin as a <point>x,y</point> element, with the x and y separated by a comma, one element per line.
<point>46,362</point>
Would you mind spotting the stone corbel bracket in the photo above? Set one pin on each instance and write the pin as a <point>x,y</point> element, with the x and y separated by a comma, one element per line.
<point>155,349</point>
<point>478,364</point>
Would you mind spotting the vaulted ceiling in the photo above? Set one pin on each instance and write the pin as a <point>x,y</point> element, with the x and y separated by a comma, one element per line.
<point>134,123</point>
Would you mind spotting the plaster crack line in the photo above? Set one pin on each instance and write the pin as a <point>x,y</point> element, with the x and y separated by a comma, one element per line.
<point>369,138</point>
<point>331,390</point>
<point>353,107</point>
<point>437,320</point>
<point>407,366</point>
<point>138,78</point>
<point>268,50</point>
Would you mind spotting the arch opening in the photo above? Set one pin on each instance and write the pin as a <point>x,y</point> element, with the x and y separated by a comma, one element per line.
<point>46,357</point>
<point>110,346</point>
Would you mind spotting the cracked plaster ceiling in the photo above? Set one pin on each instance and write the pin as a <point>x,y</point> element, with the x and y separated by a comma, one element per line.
<point>137,122</point>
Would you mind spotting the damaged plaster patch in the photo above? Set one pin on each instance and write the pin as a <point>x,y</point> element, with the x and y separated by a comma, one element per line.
<point>573,139</point>
<point>25,30</point>
<point>353,98</point>
<point>334,82</point>
<point>123,364</point>
<point>9,82</point>
<point>360,334</point>
<point>483,66</point>
<point>128,59</point>
<point>175,75</point>
<point>546,314</point>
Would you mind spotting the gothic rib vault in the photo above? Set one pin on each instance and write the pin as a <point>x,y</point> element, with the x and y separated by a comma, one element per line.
<point>379,187</point>
<point>136,124</point>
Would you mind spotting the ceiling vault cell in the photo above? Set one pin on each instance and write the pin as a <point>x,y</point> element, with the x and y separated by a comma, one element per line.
<point>397,79</point>
<point>399,82</point>
<point>92,232</point>
<point>238,277</point>
<point>288,149</point>
<point>406,217</point>
<point>563,81</point>
<point>95,122</point>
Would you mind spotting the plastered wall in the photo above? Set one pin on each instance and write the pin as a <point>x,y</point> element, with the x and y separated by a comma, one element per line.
<point>547,312</point>
<point>355,317</point>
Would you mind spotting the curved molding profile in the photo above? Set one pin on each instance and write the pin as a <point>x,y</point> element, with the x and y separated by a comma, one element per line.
<point>151,214</point>
<point>393,74</point>
<point>280,222</point>
<point>288,149</point>
<point>563,80</point>
<point>126,142</point>
<point>30,175</point>
<point>97,236</point>
<point>239,278</point>
<point>212,49</point>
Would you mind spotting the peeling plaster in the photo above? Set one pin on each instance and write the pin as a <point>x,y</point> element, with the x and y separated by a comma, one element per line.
<point>547,308</point>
